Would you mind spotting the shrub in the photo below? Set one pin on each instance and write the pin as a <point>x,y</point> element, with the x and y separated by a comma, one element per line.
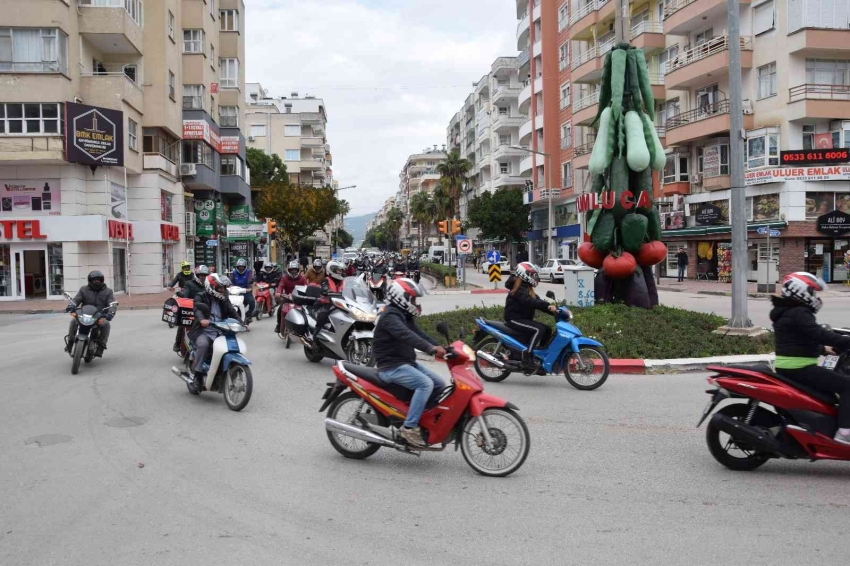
<point>438,270</point>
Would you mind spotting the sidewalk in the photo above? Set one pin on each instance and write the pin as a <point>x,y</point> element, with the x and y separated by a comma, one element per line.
<point>725,289</point>
<point>40,306</point>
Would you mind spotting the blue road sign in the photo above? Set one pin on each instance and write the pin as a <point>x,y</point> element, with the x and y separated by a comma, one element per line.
<point>493,256</point>
<point>774,233</point>
<point>459,237</point>
<point>762,231</point>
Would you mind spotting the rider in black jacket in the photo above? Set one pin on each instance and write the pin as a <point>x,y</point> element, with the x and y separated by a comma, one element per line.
<point>212,304</point>
<point>521,305</point>
<point>97,294</point>
<point>183,277</point>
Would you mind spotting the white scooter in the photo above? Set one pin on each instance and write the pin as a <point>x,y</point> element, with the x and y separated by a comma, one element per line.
<point>237,299</point>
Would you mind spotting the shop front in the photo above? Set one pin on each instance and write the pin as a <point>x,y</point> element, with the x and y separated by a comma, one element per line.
<point>242,239</point>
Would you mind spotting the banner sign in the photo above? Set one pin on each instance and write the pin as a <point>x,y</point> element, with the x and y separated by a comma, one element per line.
<point>834,223</point>
<point>247,231</point>
<point>230,145</point>
<point>810,156</point>
<point>200,130</point>
<point>32,197</point>
<point>239,213</point>
<point>711,161</point>
<point>592,201</point>
<point>94,136</point>
<point>707,213</point>
<point>782,174</point>
<point>205,223</point>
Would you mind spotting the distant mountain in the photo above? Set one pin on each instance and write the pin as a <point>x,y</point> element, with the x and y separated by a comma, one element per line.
<point>356,226</point>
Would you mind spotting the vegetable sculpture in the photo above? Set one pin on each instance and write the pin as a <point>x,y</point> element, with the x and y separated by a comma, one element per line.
<point>624,228</point>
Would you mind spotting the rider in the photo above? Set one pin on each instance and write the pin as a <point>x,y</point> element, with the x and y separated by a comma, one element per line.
<point>183,277</point>
<point>395,343</point>
<point>243,277</point>
<point>413,265</point>
<point>521,304</point>
<point>270,274</point>
<point>350,269</point>
<point>316,273</point>
<point>212,304</point>
<point>195,285</point>
<point>97,294</point>
<point>288,282</point>
<point>799,340</point>
<point>332,284</point>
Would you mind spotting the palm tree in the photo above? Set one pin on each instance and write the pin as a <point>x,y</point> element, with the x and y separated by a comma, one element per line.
<point>453,173</point>
<point>443,203</point>
<point>424,210</point>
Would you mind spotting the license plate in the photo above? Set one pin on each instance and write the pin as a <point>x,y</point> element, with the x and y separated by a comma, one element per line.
<point>168,317</point>
<point>829,362</point>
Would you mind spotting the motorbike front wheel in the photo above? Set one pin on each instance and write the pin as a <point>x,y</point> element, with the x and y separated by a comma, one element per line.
<point>486,371</point>
<point>588,368</point>
<point>511,442</point>
<point>344,409</point>
<point>360,352</point>
<point>238,386</point>
<point>79,346</point>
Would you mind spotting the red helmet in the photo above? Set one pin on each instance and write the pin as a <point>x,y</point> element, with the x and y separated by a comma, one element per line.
<point>803,287</point>
<point>216,285</point>
<point>528,272</point>
<point>403,293</point>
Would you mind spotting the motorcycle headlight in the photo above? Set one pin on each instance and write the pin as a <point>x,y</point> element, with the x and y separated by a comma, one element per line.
<point>362,316</point>
<point>86,319</point>
<point>236,327</point>
<point>469,353</point>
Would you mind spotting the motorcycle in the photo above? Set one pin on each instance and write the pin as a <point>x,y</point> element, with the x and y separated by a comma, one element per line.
<point>801,422</point>
<point>365,414</point>
<point>378,283</point>
<point>87,341</point>
<point>352,323</point>
<point>286,305</point>
<point>237,299</point>
<point>179,312</point>
<point>499,353</point>
<point>227,370</point>
<point>264,300</point>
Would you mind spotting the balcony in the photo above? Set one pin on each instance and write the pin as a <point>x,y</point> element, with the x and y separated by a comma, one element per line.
<point>700,123</point>
<point>526,164</point>
<point>503,64</point>
<point>508,180</point>
<point>313,142</point>
<point>312,165</point>
<point>522,58</point>
<point>662,135</point>
<point>584,109</point>
<point>670,189</point>
<point>158,162</point>
<point>656,82</point>
<point>587,66</point>
<point>508,122</point>
<point>715,183</point>
<point>113,26</point>
<point>648,36</point>
<point>524,96</point>
<point>236,186</point>
<point>503,92</point>
<point>581,154</point>
<point>831,102</point>
<point>110,90</point>
<point>32,150</point>
<point>483,134</point>
<point>312,118</point>
<point>537,48</point>
<point>684,16</point>
<point>522,30</point>
<point>703,64</point>
<point>593,12</point>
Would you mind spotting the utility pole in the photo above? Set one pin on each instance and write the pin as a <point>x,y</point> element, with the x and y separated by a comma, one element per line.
<point>622,22</point>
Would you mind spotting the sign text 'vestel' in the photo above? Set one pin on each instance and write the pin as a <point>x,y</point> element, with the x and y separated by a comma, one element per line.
<point>169,232</point>
<point>119,230</point>
<point>21,229</point>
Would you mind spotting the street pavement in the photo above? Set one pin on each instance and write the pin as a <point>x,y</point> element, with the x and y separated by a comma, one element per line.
<point>119,465</point>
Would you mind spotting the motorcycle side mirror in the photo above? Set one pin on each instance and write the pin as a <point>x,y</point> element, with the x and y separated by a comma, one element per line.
<point>826,327</point>
<point>68,296</point>
<point>443,329</point>
<point>550,295</point>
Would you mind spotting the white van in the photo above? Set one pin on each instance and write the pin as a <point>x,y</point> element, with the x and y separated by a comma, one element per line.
<point>436,254</point>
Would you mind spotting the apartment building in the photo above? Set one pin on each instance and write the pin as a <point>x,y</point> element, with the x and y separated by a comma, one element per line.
<point>60,219</point>
<point>294,128</point>
<point>419,175</point>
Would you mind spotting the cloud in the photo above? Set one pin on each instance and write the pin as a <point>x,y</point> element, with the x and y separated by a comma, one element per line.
<point>392,73</point>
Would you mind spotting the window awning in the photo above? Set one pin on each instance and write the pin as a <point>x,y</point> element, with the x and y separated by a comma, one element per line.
<point>721,229</point>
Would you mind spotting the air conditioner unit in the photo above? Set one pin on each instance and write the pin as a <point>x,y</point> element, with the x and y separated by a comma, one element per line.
<point>696,180</point>
<point>250,138</point>
<point>188,169</point>
<point>748,107</point>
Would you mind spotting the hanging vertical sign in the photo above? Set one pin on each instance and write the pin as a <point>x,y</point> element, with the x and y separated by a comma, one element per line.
<point>93,136</point>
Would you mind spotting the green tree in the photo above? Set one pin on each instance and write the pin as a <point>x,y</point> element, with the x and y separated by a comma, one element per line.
<point>500,216</point>
<point>453,172</point>
<point>343,239</point>
<point>392,227</point>
<point>443,203</point>
<point>265,169</point>
<point>424,210</point>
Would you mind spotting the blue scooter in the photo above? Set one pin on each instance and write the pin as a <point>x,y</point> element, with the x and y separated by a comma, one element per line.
<point>499,353</point>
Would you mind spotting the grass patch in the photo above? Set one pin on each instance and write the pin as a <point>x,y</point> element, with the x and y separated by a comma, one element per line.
<point>626,332</point>
<point>438,270</point>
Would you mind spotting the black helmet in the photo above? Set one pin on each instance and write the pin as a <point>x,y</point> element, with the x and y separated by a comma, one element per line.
<point>96,280</point>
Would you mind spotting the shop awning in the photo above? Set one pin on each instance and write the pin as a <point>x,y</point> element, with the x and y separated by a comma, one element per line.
<point>725,228</point>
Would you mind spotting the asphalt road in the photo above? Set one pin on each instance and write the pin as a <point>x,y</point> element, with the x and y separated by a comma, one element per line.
<point>120,465</point>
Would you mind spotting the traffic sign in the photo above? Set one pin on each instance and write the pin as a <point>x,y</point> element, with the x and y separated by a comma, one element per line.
<point>763,231</point>
<point>493,256</point>
<point>464,246</point>
<point>495,272</point>
<point>774,233</point>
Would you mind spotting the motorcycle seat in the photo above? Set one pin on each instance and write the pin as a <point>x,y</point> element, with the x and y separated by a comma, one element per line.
<point>371,375</point>
<point>824,397</point>
<point>505,329</point>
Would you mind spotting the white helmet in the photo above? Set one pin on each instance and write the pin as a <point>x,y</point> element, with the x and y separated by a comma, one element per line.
<point>216,285</point>
<point>335,269</point>
<point>402,293</point>
<point>528,272</point>
<point>803,287</point>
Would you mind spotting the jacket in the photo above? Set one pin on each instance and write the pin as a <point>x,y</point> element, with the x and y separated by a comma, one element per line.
<point>272,278</point>
<point>797,332</point>
<point>397,338</point>
<point>181,279</point>
<point>287,284</point>
<point>100,299</point>
<point>331,286</point>
<point>521,306</point>
<point>243,280</point>
<point>681,259</point>
<point>192,288</point>
<point>314,276</point>
<point>203,311</point>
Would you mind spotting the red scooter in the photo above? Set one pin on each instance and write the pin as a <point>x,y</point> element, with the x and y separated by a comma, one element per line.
<point>492,437</point>
<point>745,435</point>
<point>263,296</point>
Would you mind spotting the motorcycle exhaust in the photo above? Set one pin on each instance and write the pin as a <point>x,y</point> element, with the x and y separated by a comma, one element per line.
<point>181,374</point>
<point>490,359</point>
<point>360,434</point>
<point>747,434</point>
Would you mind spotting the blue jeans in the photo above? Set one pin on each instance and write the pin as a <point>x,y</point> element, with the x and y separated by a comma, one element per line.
<point>421,380</point>
<point>682,272</point>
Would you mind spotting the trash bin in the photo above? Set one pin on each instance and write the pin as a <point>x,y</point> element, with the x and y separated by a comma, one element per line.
<point>578,286</point>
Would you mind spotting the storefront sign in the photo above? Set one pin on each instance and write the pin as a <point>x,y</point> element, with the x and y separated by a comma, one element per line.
<point>707,213</point>
<point>94,136</point>
<point>33,197</point>
<point>834,223</point>
<point>607,199</point>
<point>230,145</point>
<point>780,175</point>
<point>240,249</point>
<point>672,220</point>
<point>170,232</point>
<point>21,229</point>
<point>239,213</point>
<point>711,161</point>
<point>120,230</point>
<point>200,130</point>
<point>810,156</point>
<point>205,209</point>
<point>249,231</point>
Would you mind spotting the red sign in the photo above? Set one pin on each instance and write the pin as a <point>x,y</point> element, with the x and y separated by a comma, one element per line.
<point>811,156</point>
<point>213,88</point>
<point>823,141</point>
<point>230,145</point>
<point>170,232</point>
<point>195,130</point>
<point>215,140</point>
<point>120,230</point>
<point>21,229</point>
<point>592,201</point>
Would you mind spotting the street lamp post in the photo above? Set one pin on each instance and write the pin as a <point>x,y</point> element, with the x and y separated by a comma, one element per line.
<point>548,158</point>
<point>334,233</point>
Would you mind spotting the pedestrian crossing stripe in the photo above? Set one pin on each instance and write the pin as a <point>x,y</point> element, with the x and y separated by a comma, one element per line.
<point>495,273</point>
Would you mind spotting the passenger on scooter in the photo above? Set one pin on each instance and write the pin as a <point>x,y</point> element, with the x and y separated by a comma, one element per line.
<point>212,304</point>
<point>394,346</point>
<point>521,304</point>
<point>288,282</point>
<point>195,285</point>
<point>183,277</point>
<point>270,274</point>
<point>332,284</point>
<point>316,273</point>
<point>243,277</point>
<point>799,340</point>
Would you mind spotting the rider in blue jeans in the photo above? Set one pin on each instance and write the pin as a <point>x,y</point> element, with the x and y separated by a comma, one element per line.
<point>396,340</point>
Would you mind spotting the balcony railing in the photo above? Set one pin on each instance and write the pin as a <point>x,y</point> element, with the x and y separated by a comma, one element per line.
<point>673,6</point>
<point>809,16</point>
<point>522,58</point>
<point>592,53</point>
<point>509,62</point>
<point>656,78</point>
<point>818,92</point>
<point>702,113</point>
<point>159,162</point>
<point>134,8</point>
<point>586,147</point>
<point>711,47</point>
<point>646,27</point>
<point>586,9</point>
<point>586,102</point>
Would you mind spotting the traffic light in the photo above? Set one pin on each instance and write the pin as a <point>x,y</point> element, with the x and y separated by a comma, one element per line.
<point>455,226</point>
<point>271,227</point>
<point>441,226</point>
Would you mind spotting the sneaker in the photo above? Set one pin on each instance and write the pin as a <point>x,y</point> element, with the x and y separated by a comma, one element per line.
<point>197,385</point>
<point>413,436</point>
<point>277,329</point>
<point>842,438</point>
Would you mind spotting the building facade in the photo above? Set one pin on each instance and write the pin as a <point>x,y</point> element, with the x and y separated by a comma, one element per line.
<point>419,175</point>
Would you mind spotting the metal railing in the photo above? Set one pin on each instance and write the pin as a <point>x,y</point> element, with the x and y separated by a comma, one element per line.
<point>702,113</point>
<point>586,102</point>
<point>646,27</point>
<point>656,78</point>
<point>591,6</point>
<point>509,62</point>
<point>592,53</point>
<point>134,8</point>
<point>818,92</point>
<point>586,147</point>
<point>673,6</point>
<point>711,47</point>
<point>661,131</point>
<point>522,58</point>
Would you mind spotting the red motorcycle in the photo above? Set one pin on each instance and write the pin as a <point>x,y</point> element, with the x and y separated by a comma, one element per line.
<point>492,437</point>
<point>745,435</point>
<point>263,296</point>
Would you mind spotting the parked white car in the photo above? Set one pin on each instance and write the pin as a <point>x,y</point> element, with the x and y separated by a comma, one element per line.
<point>503,263</point>
<point>553,270</point>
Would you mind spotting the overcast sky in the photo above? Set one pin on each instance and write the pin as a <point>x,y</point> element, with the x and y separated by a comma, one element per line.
<point>392,73</point>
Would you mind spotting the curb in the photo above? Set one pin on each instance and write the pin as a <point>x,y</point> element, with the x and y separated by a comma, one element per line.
<point>713,293</point>
<point>62,311</point>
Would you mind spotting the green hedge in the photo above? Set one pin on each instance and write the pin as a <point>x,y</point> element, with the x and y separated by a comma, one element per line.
<point>660,333</point>
<point>438,270</point>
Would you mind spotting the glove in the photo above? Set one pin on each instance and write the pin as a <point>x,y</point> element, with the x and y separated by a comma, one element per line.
<point>70,308</point>
<point>109,317</point>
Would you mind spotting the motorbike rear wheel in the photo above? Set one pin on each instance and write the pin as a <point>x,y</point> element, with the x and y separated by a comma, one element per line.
<point>510,438</point>
<point>485,371</point>
<point>589,371</point>
<point>722,446</point>
<point>344,409</point>
<point>79,346</point>
<point>238,386</point>
<point>313,356</point>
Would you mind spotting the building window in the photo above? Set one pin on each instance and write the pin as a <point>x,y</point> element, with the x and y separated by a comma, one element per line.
<point>764,18</point>
<point>193,97</point>
<point>133,134</point>
<point>762,148</point>
<point>566,135</point>
<point>668,110</point>
<point>229,116</point>
<point>171,25</point>
<point>292,131</point>
<point>17,118</point>
<point>564,56</point>
<point>197,152</point>
<point>665,56</point>
<point>676,169</point>
<point>171,85</point>
<point>287,108</point>
<point>504,168</point>
<point>165,207</point>
<point>292,155</point>
<point>212,8</point>
<point>767,80</point>
<point>503,111</point>
<point>565,95</point>
<point>713,160</point>
<point>563,17</point>
<point>230,165</point>
<point>33,50</point>
<point>229,73</point>
<point>158,141</point>
<point>504,139</point>
<point>808,137</point>
<point>258,130</point>
<point>193,41</point>
<point>567,175</point>
<point>827,72</point>
<point>229,20</point>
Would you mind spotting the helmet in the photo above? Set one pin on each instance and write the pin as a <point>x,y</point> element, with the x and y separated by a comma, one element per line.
<point>202,271</point>
<point>241,265</point>
<point>293,269</point>
<point>186,268</point>
<point>335,270</point>
<point>403,293</point>
<point>528,273</point>
<point>216,285</point>
<point>317,264</point>
<point>96,280</point>
<point>268,267</point>
<point>803,287</point>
